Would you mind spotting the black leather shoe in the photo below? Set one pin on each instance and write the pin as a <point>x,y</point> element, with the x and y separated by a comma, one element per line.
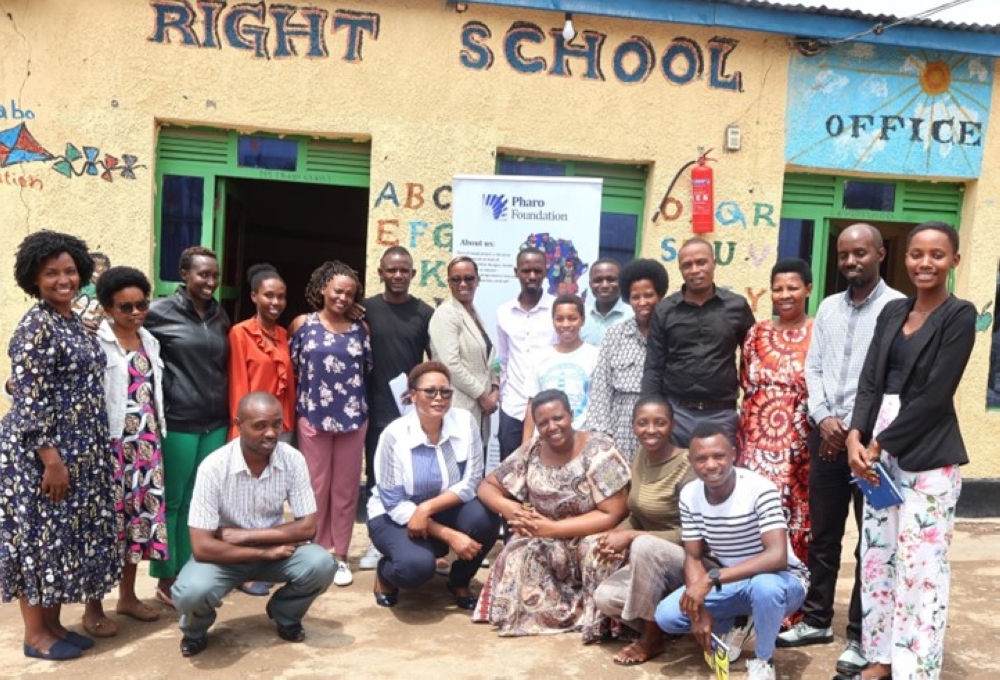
<point>191,646</point>
<point>384,598</point>
<point>293,632</point>
<point>466,602</point>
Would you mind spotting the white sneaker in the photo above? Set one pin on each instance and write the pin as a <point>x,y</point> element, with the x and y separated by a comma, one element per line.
<point>802,634</point>
<point>370,559</point>
<point>485,564</point>
<point>852,660</point>
<point>343,577</point>
<point>758,669</point>
<point>736,639</point>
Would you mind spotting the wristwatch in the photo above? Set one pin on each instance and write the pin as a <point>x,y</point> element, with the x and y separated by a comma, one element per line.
<point>715,574</point>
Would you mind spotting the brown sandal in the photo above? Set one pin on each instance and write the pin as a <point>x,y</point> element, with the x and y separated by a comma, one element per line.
<point>101,628</point>
<point>139,611</point>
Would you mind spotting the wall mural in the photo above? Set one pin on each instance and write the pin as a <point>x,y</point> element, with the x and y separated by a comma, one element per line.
<point>888,110</point>
<point>18,146</point>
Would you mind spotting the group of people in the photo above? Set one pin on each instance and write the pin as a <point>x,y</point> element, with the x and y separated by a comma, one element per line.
<point>636,497</point>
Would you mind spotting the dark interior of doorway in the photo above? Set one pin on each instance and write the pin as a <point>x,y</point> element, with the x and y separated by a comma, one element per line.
<point>893,268</point>
<point>295,227</point>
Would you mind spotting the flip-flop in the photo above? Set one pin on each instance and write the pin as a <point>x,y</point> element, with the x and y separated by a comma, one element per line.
<point>103,628</point>
<point>140,612</point>
<point>60,651</point>
<point>258,588</point>
<point>634,661</point>
<point>164,598</point>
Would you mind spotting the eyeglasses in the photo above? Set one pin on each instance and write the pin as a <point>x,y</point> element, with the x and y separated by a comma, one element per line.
<point>468,278</point>
<point>128,307</point>
<point>435,392</point>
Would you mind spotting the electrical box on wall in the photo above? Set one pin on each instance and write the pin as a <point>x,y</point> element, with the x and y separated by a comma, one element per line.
<point>734,138</point>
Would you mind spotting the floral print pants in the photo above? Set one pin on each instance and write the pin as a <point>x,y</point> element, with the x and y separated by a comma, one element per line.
<point>905,574</point>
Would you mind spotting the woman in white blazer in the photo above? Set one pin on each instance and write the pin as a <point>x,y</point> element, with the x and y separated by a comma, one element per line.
<point>459,341</point>
<point>133,385</point>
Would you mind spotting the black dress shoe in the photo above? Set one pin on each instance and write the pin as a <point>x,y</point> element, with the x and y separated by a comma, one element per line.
<point>292,632</point>
<point>384,598</point>
<point>191,646</point>
<point>466,602</point>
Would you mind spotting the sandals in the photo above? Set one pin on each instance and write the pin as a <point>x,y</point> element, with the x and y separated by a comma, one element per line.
<point>163,597</point>
<point>635,660</point>
<point>139,611</point>
<point>101,628</point>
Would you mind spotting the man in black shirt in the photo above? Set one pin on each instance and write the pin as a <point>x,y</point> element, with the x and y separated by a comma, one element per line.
<point>691,349</point>
<point>399,340</point>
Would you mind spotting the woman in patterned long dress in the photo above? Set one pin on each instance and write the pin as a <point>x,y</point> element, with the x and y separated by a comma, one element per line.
<point>774,424</point>
<point>58,542</point>
<point>332,356</point>
<point>558,494</point>
<point>133,386</point>
<point>617,379</point>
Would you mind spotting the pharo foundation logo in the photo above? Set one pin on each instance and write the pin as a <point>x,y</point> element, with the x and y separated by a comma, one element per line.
<point>495,207</point>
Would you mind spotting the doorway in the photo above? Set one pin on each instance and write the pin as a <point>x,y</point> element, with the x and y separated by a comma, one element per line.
<point>893,267</point>
<point>294,226</point>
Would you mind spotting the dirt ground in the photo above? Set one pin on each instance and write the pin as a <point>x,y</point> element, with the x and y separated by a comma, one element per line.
<point>425,636</point>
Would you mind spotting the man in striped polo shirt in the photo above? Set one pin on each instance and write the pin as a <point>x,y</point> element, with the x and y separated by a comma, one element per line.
<point>735,514</point>
<point>239,532</point>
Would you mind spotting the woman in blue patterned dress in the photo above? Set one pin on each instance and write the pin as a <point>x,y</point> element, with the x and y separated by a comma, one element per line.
<point>332,357</point>
<point>133,388</point>
<point>58,540</point>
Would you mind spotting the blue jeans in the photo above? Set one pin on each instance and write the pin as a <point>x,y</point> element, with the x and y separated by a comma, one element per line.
<point>769,598</point>
<point>509,435</point>
<point>200,586</point>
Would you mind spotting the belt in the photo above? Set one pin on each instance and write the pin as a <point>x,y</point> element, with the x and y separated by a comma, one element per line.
<point>706,405</point>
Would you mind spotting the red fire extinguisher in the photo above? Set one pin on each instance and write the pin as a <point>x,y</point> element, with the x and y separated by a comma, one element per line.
<point>702,196</point>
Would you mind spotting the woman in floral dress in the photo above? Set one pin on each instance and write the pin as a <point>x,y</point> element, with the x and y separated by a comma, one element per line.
<point>332,357</point>
<point>133,385</point>
<point>558,494</point>
<point>58,543</point>
<point>774,424</point>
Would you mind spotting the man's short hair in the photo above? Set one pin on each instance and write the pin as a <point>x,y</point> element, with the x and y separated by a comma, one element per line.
<point>259,398</point>
<point>706,429</point>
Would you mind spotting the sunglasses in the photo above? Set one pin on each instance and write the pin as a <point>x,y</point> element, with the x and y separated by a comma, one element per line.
<point>128,307</point>
<point>435,392</point>
<point>469,278</point>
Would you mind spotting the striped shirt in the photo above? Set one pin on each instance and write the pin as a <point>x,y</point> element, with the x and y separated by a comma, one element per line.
<point>409,469</point>
<point>226,495</point>
<point>732,529</point>
<point>841,335</point>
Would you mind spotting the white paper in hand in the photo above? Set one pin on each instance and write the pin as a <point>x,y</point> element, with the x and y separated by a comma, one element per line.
<point>400,388</point>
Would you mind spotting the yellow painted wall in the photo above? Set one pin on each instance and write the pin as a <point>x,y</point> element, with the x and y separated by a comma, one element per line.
<point>90,75</point>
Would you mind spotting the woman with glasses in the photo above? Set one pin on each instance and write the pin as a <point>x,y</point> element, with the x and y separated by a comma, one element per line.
<point>428,465</point>
<point>133,388</point>
<point>460,342</point>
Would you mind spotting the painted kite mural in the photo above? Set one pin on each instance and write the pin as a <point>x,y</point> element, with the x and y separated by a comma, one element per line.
<point>18,145</point>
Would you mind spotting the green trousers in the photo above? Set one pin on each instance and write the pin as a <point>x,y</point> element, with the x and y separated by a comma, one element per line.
<point>182,454</point>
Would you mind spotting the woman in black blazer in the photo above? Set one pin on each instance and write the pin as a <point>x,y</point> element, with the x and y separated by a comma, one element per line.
<point>904,416</point>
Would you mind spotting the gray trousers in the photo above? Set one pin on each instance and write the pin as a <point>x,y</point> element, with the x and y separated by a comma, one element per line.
<point>655,568</point>
<point>685,420</point>
<point>200,587</point>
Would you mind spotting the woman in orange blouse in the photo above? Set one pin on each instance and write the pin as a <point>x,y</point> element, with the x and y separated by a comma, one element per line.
<point>259,359</point>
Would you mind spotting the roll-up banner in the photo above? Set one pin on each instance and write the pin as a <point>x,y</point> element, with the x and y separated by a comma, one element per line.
<point>495,217</point>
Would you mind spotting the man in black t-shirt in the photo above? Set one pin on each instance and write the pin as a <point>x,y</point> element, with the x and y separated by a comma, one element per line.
<point>399,339</point>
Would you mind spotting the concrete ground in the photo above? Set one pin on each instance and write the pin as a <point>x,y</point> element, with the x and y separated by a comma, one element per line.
<point>426,636</point>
